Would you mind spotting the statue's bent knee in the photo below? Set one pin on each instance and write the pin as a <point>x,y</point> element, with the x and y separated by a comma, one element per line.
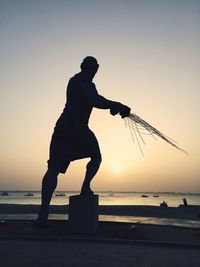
<point>96,161</point>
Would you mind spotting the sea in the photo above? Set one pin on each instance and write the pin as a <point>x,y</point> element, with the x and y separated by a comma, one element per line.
<point>172,199</point>
<point>106,198</point>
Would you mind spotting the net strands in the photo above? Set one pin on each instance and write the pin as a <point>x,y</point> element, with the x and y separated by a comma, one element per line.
<point>138,127</point>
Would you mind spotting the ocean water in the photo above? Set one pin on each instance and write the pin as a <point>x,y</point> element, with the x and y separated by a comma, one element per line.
<point>106,198</point>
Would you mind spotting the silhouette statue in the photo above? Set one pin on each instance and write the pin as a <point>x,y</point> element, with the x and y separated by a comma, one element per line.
<point>72,139</point>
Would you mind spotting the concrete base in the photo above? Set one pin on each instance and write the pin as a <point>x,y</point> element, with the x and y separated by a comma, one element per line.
<point>83,213</point>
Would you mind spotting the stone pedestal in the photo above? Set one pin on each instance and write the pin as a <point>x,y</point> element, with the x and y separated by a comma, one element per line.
<point>83,213</point>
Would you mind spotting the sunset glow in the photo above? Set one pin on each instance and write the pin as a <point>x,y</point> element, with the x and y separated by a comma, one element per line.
<point>149,60</point>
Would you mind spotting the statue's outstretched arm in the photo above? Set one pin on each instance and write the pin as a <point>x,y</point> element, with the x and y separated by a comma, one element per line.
<point>101,102</point>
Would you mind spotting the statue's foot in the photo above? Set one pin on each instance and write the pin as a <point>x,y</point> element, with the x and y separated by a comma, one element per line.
<point>42,219</point>
<point>40,223</point>
<point>87,192</point>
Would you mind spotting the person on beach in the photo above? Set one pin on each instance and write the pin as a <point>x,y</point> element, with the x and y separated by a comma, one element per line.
<point>72,139</point>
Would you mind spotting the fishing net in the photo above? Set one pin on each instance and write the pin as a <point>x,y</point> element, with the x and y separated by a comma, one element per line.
<point>139,127</point>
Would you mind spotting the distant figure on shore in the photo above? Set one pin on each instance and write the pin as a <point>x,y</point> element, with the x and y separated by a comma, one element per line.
<point>185,202</point>
<point>163,204</point>
<point>72,139</point>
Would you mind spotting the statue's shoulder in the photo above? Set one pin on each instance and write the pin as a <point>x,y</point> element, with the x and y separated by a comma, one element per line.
<point>78,78</point>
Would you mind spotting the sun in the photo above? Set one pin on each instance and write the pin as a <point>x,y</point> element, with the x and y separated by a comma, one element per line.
<point>116,171</point>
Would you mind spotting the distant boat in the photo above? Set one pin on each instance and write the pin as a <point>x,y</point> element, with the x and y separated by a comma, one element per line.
<point>144,196</point>
<point>111,194</point>
<point>29,195</point>
<point>60,194</point>
<point>155,196</point>
<point>4,194</point>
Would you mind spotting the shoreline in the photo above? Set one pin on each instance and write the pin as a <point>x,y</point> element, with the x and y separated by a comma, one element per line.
<point>188,213</point>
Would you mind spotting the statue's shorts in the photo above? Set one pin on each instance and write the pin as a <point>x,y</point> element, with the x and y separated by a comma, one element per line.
<point>72,144</point>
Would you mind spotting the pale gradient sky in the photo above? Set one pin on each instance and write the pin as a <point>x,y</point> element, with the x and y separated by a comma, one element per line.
<point>149,59</point>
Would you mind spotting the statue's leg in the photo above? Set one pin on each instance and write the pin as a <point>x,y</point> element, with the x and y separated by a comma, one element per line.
<point>91,169</point>
<point>49,184</point>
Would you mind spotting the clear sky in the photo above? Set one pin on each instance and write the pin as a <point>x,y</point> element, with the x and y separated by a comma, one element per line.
<point>149,59</point>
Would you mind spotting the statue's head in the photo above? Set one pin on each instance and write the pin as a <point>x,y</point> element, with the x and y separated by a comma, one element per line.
<point>90,65</point>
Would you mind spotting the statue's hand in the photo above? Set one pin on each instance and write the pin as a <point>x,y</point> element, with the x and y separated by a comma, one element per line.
<point>114,111</point>
<point>125,111</point>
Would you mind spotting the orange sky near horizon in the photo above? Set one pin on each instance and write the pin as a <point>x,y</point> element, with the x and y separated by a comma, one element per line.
<point>149,60</point>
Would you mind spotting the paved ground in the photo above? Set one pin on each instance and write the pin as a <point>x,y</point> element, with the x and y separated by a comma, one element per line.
<point>114,244</point>
<point>45,253</point>
<point>19,229</point>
